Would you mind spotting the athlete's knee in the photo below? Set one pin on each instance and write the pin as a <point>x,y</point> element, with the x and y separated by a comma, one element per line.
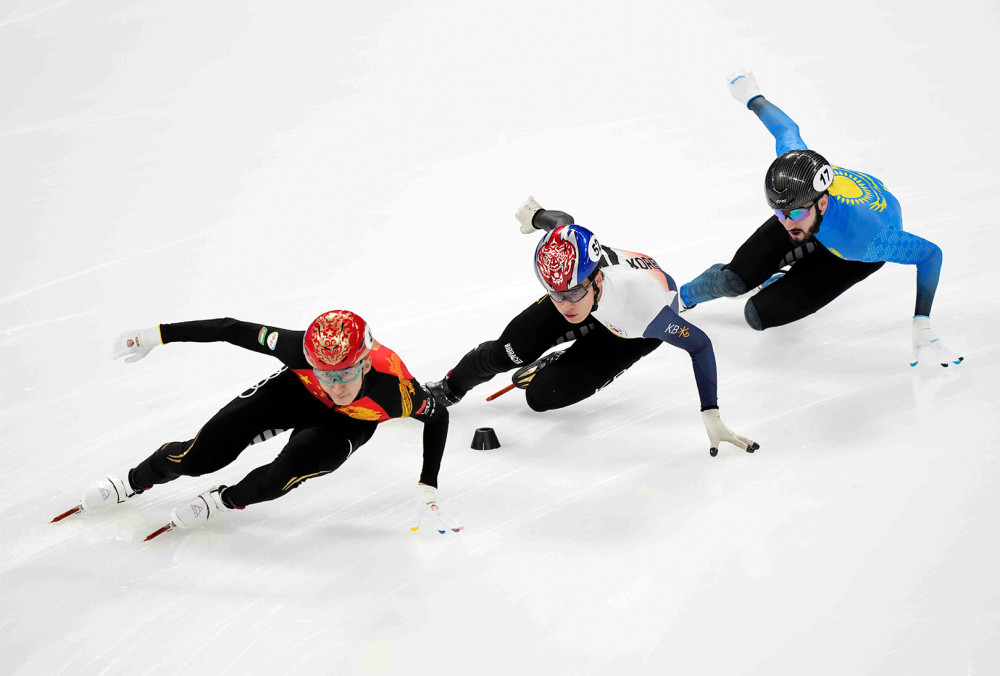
<point>752,316</point>
<point>536,403</point>
<point>540,402</point>
<point>548,394</point>
<point>729,284</point>
<point>550,390</point>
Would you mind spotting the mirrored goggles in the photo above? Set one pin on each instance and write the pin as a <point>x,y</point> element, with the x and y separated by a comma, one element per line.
<point>573,295</point>
<point>794,214</point>
<point>342,376</point>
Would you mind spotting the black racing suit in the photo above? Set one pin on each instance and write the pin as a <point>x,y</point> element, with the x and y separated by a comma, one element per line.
<point>323,434</point>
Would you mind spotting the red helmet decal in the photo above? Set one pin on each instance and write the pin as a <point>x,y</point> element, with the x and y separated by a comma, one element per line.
<point>556,261</point>
<point>337,339</point>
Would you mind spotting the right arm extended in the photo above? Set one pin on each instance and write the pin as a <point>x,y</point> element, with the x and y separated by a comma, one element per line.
<point>743,87</point>
<point>284,344</point>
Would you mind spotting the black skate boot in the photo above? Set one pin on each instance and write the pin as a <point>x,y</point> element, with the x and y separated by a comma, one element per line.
<point>523,376</point>
<point>441,391</point>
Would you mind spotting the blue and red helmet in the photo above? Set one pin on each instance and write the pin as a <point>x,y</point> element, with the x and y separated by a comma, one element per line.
<point>566,257</point>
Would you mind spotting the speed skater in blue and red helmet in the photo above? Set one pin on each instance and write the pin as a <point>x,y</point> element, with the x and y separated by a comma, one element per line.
<point>831,228</point>
<point>615,305</point>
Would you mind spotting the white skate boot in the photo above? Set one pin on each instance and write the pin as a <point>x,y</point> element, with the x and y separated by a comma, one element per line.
<point>198,510</point>
<point>106,492</point>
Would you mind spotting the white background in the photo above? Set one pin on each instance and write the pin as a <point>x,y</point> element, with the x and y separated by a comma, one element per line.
<point>167,161</point>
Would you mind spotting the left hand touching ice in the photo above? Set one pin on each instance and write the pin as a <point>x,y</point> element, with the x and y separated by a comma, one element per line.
<point>719,432</point>
<point>429,511</point>
<point>927,346</point>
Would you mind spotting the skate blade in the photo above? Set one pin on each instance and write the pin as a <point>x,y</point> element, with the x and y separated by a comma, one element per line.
<point>503,391</point>
<point>68,512</point>
<point>159,531</point>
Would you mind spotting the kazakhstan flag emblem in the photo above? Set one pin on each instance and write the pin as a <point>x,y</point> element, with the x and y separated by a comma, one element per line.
<point>854,187</point>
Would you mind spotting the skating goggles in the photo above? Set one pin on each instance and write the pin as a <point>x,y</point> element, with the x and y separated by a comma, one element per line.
<point>342,376</point>
<point>573,295</point>
<point>794,214</point>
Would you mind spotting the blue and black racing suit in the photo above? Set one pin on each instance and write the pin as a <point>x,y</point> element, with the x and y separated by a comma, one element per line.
<point>861,229</point>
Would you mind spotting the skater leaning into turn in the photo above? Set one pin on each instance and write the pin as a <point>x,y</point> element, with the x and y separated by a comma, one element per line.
<point>337,384</point>
<point>617,305</point>
<point>832,227</point>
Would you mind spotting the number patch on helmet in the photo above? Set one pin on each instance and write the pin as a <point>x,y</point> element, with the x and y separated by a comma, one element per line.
<point>594,249</point>
<point>823,178</point>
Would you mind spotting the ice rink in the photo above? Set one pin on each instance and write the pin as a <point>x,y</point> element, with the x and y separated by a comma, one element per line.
<point>162,162</point>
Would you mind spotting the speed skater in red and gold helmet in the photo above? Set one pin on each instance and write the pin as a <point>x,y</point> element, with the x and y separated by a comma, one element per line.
<point>336,340</point>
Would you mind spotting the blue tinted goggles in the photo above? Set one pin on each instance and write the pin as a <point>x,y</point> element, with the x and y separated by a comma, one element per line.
<point>342,376</point>
<point>794,214</point>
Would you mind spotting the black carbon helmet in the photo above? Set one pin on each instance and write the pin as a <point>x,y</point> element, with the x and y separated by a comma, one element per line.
<point>796,178</point>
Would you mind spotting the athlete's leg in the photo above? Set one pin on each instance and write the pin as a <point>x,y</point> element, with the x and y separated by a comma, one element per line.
<point>278,403</point>
<point>809,285</point>
<point>755,261</point>
<point>526,337</point>
<point>592,362</point>
<point>762,254</point>
<point>310,452</point>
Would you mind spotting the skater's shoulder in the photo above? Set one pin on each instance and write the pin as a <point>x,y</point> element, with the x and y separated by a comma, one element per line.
<point>626,259</point>
<point>385,360</point>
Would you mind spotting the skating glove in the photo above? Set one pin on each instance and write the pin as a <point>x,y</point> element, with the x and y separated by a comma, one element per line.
<point>533,217</point>
<point>927,346</point>
<point>718,432</point>
<point>525,213</point>
<point>136,344</point>
<point>429,511</point>
<point>743,86</point>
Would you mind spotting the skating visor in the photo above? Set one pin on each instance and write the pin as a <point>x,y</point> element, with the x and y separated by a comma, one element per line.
<point>794,214</point>
<point>573,295</point>
<point>342,376</point>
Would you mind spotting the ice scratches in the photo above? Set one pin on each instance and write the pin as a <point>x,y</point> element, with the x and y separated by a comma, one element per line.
<point>99,266</point>
<point>12,334</point>
<point>32,15</point>
<point>72,123</point>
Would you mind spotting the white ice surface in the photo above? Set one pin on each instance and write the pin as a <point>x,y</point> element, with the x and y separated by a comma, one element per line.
<point>166,161</point>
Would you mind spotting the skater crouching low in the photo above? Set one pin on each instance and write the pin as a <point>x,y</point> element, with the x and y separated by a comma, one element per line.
<point>336,385</point>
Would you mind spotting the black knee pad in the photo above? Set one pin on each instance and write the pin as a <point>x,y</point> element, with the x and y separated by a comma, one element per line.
<point>729,284</point>
<point>551,390</point>
<point>537,404</point>
<point>753,319</point>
